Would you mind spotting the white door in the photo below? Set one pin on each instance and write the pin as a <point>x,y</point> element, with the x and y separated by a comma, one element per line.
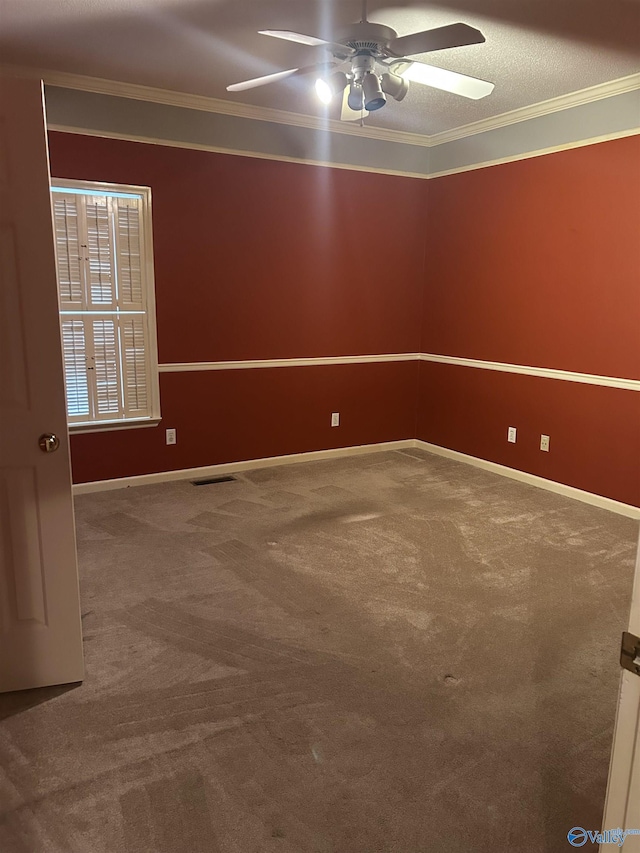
<point>622,808</point>
<point>40,630</point>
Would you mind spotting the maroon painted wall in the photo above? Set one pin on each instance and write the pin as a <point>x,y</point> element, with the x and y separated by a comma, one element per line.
<point>249,414</point>
<point>258,259</point>
<point>538,263</point>
<point>535,263</point>
<point>595,431</point>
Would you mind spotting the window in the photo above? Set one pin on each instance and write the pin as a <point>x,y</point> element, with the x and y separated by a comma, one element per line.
<point>107,306</point>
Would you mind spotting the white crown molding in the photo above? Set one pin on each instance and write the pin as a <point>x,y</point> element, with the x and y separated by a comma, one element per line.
<point>543,108</point>
<point>541,372</point>
<point>203,103</point>
<point>256,155</point>
<point>134,91</point>
<point>540,152</point>
<point>332,164</point>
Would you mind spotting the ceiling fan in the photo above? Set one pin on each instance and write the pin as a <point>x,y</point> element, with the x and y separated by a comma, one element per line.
<point>375,64</point>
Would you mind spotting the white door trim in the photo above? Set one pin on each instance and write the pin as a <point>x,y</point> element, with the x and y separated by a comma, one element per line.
<point>622,806</point>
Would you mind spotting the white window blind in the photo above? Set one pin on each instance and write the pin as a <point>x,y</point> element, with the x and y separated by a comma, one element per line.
<point>106,303</point>
<point>74,352</point>
<point>98,215</point>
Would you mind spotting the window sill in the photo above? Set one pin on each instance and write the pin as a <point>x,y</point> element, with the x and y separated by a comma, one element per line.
<point>110,426</point>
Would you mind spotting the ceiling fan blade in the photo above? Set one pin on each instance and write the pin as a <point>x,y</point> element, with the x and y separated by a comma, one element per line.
<point>279,75</point>
<point>440,78</point>
<point>312,41</point>
<point>261,81</point>
<point>346,113</point>
<point>453,35</point>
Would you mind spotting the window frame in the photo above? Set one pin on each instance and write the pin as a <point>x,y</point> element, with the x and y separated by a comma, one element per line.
<point>148,275</point>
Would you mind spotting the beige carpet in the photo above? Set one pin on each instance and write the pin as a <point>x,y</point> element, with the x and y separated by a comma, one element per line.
<point>392,653</point>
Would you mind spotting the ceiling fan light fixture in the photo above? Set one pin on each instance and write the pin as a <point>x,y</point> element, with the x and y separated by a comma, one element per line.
<point>327,87</point>
<point>380,65</point>
<point>356,97</point>
<point>323,91</point>
<point>394,85</point>
<point>374,97</point>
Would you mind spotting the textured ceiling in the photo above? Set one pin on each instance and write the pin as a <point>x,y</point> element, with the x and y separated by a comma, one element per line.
<point>534,50</point>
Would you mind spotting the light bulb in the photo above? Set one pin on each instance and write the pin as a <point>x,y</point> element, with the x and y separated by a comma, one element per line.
<point>330,86</point>
<point>323,91</point>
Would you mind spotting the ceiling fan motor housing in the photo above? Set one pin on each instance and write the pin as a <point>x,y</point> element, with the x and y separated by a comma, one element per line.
<point>368,38</point>
<point>370,43</point>
<point>361,64</point>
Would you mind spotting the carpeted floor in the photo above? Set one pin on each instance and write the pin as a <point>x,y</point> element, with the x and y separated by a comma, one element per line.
<point>390,653</point>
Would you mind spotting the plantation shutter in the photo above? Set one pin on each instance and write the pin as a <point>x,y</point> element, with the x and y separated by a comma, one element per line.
<point>74,354</point>
<point>85,252</point>
<point>100,261</point>
<point>100,242</point>
<point>69,253</point>
<point>135,368</point>
<point>129,264</point>
<point>105,368</point>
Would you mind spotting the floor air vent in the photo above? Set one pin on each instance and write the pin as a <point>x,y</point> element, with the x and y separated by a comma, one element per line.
<point>211,480</point>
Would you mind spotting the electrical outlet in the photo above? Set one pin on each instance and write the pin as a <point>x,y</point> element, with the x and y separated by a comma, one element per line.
<point>335,419</point>
<point>511,435</point>
<point>544,442</point>
<point>172,438</point>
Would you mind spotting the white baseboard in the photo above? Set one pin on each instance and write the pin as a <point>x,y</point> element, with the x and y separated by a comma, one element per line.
<point>533,480</point>
<point>340,452</point>
<point>234,467</point>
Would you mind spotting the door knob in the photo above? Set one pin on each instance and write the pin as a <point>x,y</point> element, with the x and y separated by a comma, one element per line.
<point>48,442</point>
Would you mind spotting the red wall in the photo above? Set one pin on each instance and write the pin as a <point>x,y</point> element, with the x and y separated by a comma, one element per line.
<point>594,431</point>
<point>538,263</point>
<point>258,259</point>
<point>535,263</point>
<point>231,415</point>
